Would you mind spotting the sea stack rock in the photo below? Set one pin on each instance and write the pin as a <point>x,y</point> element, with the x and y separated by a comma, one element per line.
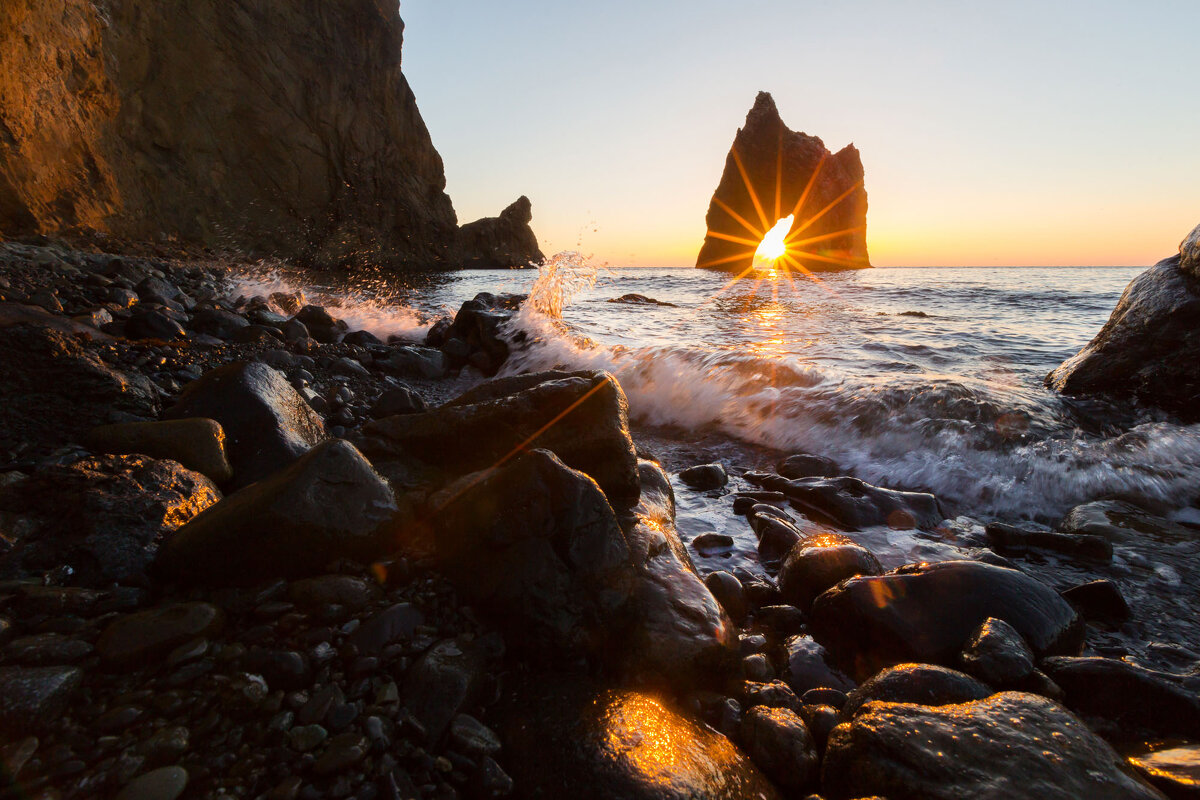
<point>772,172</point>
<point>1149,347</point>
<point>501,242</point>
<point>275,127</point>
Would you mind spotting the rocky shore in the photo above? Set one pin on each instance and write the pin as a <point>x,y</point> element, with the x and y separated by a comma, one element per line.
<point>249,552</point>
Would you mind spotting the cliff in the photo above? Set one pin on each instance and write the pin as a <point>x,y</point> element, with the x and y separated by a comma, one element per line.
<point>772,172</point>
<point>273,127</point>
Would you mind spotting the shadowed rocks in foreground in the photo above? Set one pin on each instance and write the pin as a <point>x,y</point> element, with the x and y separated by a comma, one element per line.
<point>772,172</point>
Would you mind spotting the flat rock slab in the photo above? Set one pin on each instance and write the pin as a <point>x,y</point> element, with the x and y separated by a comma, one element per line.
<point>1007,746</point>
<point>154,633</point>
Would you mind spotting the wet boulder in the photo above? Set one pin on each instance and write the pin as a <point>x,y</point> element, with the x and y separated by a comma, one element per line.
<point>776,536</point>
<point>105,516</point>
<point>1008,745</point>
<point>1131,698</point>
<point>851,504</point>
<point>925,684</point>
<point>1149,345</point>
<point>806,465</point>
<point>218,322</point>
<point>582,417</point>
<point>1117,521</point>
<point>778,742</point>
<point>729,593</point>
<point>997,654</point>
<point>267,424</point>
<point>808,667</point>
<point>925,613</point>
<point>704,477</point>
<point>479,334</point>
<point>1011,540</point>
<point>397,400</point>
<point>151,323</point>
<point>658,496</point>
<point>536,545</point>
<point>196,443</point>
<point>321,325</point>
<point>1099,601</point>
<point>54,389</point>
<point>819,562</point>
<point>570,738</point>
<point>329,504</point>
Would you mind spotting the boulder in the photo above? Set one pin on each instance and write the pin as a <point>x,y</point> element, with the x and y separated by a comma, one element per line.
<point>997,654</point>
<point>279,130</point>
<point>582,417</point>
<point>1099,601</point>
<point>729,593</point>
<point>105,516</point>
<point>500,242</point>
<point>447,679</point>
<point>196,443</point>
<point>397,400</point>
<point>778,742</point>
<point>808,667</point>
<point>329,504</point>
<point>924,684</point>
<point>1132,698</point>
<point>925,613</point>
<point>54,389</point>
<point>150,635</point>
<point>1008,745</point>
<point>267,424</point>
<point>479,332</point>
<point>569,738</point>
<point>819,562</point>
<point>804,465</point>
<point>851,504</point>
<point>704,477</point>
<point>1117,522</point>
<point>822,190</point>
<point>535,545</point>
<point>218,322</point>
<point>150,323</point>
<point>1011,540</point>
<point>33,696</point>
<point>1146,349</point>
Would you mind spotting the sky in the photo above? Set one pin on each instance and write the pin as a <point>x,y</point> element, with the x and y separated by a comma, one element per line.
<point>1017,133</point>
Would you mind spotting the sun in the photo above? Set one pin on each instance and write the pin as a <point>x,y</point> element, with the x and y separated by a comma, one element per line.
<point>773,245</point>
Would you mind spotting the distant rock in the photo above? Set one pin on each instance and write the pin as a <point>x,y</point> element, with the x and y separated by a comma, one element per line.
<point>1150,345</point>
<point>284,128</point>
<point>501,242</point>
<point>640,300</point>
<point>830,226</point>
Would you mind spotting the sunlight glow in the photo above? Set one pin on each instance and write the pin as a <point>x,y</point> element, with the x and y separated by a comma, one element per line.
<point>773,244</point>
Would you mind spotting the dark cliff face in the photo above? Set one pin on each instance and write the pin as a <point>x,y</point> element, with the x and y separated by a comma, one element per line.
<point>274,127</point>
<point>772,172</point>
<point>501,242</point>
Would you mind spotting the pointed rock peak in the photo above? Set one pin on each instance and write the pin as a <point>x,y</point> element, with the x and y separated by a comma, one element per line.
<point>521,211</point>
<point>764,109</point>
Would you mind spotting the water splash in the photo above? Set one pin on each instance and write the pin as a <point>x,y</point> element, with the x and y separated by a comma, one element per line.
<point>560,279</point>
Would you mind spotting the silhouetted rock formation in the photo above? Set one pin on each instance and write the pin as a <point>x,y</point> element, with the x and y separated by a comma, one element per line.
<point>501,242</point>
<point>776,178</point>
<point>1150,345</point>
<point>280,127</point>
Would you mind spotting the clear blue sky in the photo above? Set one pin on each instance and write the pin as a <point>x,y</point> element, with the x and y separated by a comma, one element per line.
<point>991,133</point>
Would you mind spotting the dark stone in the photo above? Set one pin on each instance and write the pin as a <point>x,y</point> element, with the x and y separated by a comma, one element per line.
<point>925,684</point>
<point>778,742</point>
<point>996,653</point>
<point>1148,346</point>
<point>267,424</point>
<point>1099,601</point>
<point>808,667</point>
<point>31,697</point>
<point>361,339</point>
<point>218,322</point>
<point>825,696</point>
<point>707,543</point>
<point>535,545</point>
<point>329,504</point>
<point>704,477</point>
<point>1117,521</point>
<point>281,669</point>
<point>398,400</point>
<point>1134,698</point>
<point>744,502</point>
<point>1010,540</point>
<point>634,299</point>
<point>566,738</point>
<point>804,465</point>
<point>105,516</point>
<point>657,493</point>
<point>819,562</point>
<point>924,614</point>
<point>150,324</point>
<point>46,650</point>
<point>780,620</point>
<point>394,624</point>
<point>348,591</point>
<point>480,328</point>
<point>787,166</point>
<point>54,389</point>
<point>447,679</point>
<point>500,242</point>
<point>851,504</point>
<point>1008,745</point>
<point>1175,771</point>
<point>150,635</point>
<point>772,694</point>
<point>729,593</point>
<point>496,419</point>
<point>198,444</point>
<point>776,538</point>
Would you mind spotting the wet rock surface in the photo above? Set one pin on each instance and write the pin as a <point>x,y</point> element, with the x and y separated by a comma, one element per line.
<point>198,444</point>
<point>1009,745</point>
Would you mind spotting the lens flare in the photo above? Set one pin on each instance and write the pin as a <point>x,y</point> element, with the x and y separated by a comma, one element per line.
<point>773,245</point>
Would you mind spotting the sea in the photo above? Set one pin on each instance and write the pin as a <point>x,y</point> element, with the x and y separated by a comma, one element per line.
<point>925,379</point>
